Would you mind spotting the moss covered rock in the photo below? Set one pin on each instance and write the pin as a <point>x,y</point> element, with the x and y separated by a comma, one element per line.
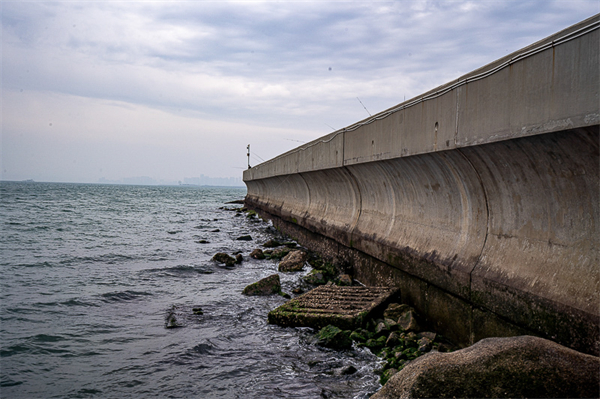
<point>333,337</point>
<point>513,367</point>
<point>267,286</point>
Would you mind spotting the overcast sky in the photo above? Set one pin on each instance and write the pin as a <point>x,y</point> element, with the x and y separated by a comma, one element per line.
<point>169,89</point>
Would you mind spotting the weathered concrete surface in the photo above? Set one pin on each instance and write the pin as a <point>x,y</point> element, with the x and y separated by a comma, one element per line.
<point>518,367</point>
<point>484,190</point>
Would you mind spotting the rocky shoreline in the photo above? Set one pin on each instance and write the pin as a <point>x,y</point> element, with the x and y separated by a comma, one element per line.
<point>416,362</point>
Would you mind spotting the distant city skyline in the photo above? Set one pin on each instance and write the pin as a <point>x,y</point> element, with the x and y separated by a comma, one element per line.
<point>191,181</point>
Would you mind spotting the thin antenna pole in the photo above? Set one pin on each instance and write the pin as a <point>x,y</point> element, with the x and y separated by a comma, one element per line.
<point>248,156</point>
<point>363,106</point>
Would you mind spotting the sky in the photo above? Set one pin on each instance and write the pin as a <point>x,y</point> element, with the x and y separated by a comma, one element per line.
<point>109,90</point>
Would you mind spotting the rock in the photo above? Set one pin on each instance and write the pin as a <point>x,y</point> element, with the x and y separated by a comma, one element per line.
<point>395,310</point>
<point>375,344</point>
<point>290,244</point>
<point>244,238</point>
<point>257,254</point>
<point>381,328</point>
<point>224,258</point>
<point>514,367</point>
<point>202,242</point>
<point>239,258</point>
<point>429,335</point>
<point>345,280</point>
<point>358,336</point>
<point>272,244</point>
<point>392,339</point>
<point>267,286</point>
<point>293,262</point>
<point>171,321</point>
<point>297,291</point>
<point>215,231</point>
<point>198,311</point>
<point>387,374</point>
<point>332,337</point>
<point>408,320</point>
<point>392,325</point>
<point>278,254</point>
<point>346,370</point>
<point>424,344</point>
<point>315,277</point>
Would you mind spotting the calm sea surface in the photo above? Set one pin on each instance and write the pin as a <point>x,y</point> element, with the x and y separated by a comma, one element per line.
<point>89,273</point>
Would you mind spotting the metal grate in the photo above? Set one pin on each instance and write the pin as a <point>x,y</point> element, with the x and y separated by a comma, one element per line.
<point>343,307</point>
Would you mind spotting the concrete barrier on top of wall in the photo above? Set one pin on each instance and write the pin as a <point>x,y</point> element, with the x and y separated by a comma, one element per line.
<point>486,188</point>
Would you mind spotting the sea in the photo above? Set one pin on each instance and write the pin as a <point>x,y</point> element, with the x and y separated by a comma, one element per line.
<point>89,275</point>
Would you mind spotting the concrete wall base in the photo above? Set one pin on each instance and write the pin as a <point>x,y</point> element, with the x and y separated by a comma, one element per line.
<point>457,319</point>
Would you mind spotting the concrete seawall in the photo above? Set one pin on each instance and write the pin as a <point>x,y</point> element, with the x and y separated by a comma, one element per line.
<point>479,199</point>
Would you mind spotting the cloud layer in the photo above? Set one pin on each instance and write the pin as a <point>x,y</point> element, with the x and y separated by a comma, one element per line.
<point>178,89</point>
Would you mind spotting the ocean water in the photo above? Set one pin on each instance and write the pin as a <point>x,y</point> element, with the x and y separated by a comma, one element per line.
<point>89,274</point>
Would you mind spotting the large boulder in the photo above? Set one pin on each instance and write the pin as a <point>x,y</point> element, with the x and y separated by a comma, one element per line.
<point>293,262</point>
<point>519,367</point>
<point>267,286</point>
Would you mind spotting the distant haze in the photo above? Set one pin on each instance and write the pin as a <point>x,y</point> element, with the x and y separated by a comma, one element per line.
<point>107,91</point>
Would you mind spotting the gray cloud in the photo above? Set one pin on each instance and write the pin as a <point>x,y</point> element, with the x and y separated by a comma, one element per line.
<point>209,67</point>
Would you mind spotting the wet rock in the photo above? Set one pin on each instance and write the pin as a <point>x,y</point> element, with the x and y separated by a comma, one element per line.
<point>332,337</point>
<point>395,310</point>
<point>514,367</point>
<point>315,277</point>
<point>426,334</point>
<point>197,311</point>
<point>272,244</point>
<point>244,238</point>
<point>290,244</point>
<point>224,258</point>
<point>279,253</point>
<point>424,344</point>
<point>345,370</point>
<point>387,374</point>
<point>202,242</point>
<point>239,258</point>
<point>381,328</point>
<point>392,339</point>
<point>293,262</point>
<point>257,254</point>
<point>267,286</point>
<point>375,344</point>
<point>408,320</point>
<point>358,336</point>
<point>171,321</point>
<point>215,231</point>
<point>345,280</point>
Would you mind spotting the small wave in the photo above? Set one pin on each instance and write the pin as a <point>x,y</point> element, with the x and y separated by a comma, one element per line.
<point>181,270</point>
<point>78,302</point>
<point>202,349</point>
<point>36,264</point>
<point>123,296</point>
<point>8,382</point>
<point>14,350</point>
<point>110,259</point>
<point>47,338</point>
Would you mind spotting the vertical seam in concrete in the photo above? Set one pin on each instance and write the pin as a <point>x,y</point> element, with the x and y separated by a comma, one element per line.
<point>359,194</point>
<point>487,228</point>
<point>309,197</point>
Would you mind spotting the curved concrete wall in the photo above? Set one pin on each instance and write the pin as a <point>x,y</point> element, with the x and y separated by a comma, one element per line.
<point>487,190</point>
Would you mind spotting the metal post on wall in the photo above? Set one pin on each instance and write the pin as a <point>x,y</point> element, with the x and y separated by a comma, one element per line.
<point>249,156</point>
